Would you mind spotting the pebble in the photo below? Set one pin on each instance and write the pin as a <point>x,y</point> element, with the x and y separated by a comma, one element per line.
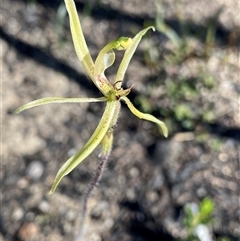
<point>223,157</point>
<point>152,196</point>
<point>158,182</point>
<point>28,231</point>
<point>18,214</point>
<point>44,206</point>
<point>100,208</point>
<point>109,223</point>
<point>94,237</point>
<point>35,170</point>
<point>71,215</point>
<point>201,192</point>
<point>130,194</point>
<point>121,179</point>
<point>202,233</point>
<point>71,152</point>
<point>30,216</point>
<point>22,183</point>
<point>134,172</point>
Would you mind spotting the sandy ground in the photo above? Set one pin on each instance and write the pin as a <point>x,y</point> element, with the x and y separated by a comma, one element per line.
<point>148,179</point>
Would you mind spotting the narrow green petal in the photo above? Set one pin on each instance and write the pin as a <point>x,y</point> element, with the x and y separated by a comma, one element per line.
<point>89,147</point>
<point>78,38</point>
<point>144,116</point>
<point>50,100</point>
<point>128,55</point>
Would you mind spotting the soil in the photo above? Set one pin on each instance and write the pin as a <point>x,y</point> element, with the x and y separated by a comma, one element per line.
<point>148,179</point>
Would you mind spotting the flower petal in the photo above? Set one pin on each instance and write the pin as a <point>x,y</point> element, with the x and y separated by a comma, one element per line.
<point>145,116</point>
<point>128,55</point>
<point>89,147</point>
<point>79,40</point>
<point>50,100</point>
<point>106,56</point>
<point>104,60</point>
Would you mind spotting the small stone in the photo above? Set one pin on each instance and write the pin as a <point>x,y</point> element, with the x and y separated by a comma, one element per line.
<point>152,196</point>
<point>95,237</point>
<point>109,223</point>
<point>158,182</point>
<point>18,214</point>
<point>71,215</point>
<point>30,216</point>
<point>22,183</point>
<point>223,157</point>
<point>202,233</point>
<point>121,179</point>
<point>176,233</point>
<point>71,152</point>
<point>201,192</point>
<point>134,172</point>
<point>130,194</point>
<point>28,231</point>
<point>44,206</point>
<point>35,170</point>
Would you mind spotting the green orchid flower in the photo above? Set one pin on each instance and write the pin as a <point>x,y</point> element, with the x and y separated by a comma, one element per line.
<point>113,94</point>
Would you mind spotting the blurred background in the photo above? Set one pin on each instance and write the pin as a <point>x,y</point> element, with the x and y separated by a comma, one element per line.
<point>186,73</point>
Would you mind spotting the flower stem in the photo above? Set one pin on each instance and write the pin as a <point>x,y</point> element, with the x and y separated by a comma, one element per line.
<point>94,183</point>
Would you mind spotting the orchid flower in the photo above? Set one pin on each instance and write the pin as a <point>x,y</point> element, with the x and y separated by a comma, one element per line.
<point>113,94</point>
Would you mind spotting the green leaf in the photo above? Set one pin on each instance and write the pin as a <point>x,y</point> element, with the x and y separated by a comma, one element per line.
<point>89,147</point>
<point>79,40</point>
<point>50,100</point>
<point>128,56</point>
<point>145,116</point>
<point>206,207</point>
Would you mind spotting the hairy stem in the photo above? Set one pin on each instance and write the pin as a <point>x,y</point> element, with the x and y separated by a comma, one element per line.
<point>94,183</point>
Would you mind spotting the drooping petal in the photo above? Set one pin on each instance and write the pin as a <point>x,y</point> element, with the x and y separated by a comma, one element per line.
<point>89,147</point>
<point>145,116</point>
<point>128,55</point>
<point>79,40</point>
<point>50,100</point>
